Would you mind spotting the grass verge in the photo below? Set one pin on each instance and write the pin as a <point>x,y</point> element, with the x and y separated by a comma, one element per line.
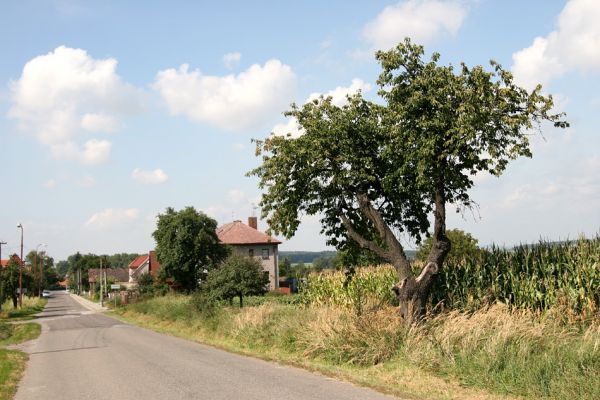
<point>373,350</point>
<point>31,306</point>
<point>13,362</point>
<point>12,365</point>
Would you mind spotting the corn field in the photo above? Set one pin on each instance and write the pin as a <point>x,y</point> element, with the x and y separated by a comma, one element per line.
<point>366,286</point>
<point>535,277</point>
<point>538,277</point>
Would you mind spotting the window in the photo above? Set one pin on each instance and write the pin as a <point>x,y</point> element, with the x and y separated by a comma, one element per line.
<point>265,254</point>
<point>251,253</point>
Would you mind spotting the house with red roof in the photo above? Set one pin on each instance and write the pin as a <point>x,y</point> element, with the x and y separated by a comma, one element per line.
<point>16,258</point>
<point>144,264</point>
<point>247,240</point>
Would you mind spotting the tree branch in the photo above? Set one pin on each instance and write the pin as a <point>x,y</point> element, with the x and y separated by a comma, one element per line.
<point>395,250</point>
<point>365,243</point>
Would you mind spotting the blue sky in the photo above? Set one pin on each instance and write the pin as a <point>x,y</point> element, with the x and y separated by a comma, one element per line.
<point>112,111</point>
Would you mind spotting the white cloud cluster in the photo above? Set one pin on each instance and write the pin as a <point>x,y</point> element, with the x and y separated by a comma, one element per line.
<point>339,97</point>
<point>111,217</point>
<point>231,102</point>
<point>65,93</point>
<point>155,177</point>
<point>421,20</point>
<point>92,152</point>
<point>574,45</point>
<point>231,59</point>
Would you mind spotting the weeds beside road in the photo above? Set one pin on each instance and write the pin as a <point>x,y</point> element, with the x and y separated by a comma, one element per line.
<point>13,362</point>
<point>492,353</point>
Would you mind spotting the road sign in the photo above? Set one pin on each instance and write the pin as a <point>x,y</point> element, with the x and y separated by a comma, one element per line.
<point>115,286</point>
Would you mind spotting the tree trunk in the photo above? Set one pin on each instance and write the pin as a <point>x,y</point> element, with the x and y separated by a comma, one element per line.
<point>241,301</point>
<point>413,293</point>
<point>15,300</point>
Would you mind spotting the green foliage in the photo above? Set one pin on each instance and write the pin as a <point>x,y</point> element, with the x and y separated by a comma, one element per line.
<point>43,274</point>
<point>464,246</point>
<point>285,267</point>
<point>9,282</point>
<point>145,284</point>
<point>539,277</point>
<point>237,276</point>
<point>187,246</point>
<point>364,288</point>
<point>364,163</point>
<point>304,256</point>
<point>545,276</point>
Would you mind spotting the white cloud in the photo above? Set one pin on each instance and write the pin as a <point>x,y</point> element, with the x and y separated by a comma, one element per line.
<point>339,94</point>
<point>574,45</point>
<point>291,127</point>
<point>421,20</point>
<point>111,217</point>
<point>155,177</point>
<point>231,60</point>
<point>91,153</point>
<point>231,102</point>
<point>65,93</point>
<point>50,184</point>
<point>87,182</point>
<point>99,123</point>
<point>236,196</point>
<point>339,97</point>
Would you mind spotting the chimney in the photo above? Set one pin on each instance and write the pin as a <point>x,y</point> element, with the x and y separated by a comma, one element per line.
<point>253,222</point>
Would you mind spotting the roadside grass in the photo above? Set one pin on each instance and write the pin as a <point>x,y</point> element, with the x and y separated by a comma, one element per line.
<point>31,306</point>
<point>452,355</point>
<point>13,362</point>
<point>12,365</point>
<point>18,333</point>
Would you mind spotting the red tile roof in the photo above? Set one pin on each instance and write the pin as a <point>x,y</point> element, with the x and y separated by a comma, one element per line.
<point>139,260</point>
<point>154,264</point>
<point>4,263</point>
<point>237,232</point>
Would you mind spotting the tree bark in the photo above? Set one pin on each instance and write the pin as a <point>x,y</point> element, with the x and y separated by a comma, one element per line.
<point>413,293</point>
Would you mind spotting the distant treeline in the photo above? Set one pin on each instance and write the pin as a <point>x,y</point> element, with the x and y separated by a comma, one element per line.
<point>307,257</point>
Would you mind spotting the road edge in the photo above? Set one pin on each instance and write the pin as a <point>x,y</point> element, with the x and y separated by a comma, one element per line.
<point>90,305</point>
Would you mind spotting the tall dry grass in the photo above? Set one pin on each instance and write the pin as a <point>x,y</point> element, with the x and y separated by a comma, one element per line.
<point>506,351</point>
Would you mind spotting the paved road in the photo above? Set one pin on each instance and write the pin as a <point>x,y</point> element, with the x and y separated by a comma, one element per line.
<point>83,354</point>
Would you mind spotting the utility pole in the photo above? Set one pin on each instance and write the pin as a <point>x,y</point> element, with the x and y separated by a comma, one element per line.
<point>21,270</point>
<point>1,243</point>
<point>101,294</point>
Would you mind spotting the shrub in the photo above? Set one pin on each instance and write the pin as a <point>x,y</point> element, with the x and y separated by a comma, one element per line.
<point>237,276</point>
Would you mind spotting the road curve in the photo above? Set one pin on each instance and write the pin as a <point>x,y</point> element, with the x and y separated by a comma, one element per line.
<point>83,354</point>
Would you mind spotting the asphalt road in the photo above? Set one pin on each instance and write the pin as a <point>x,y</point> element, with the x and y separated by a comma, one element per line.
<point>83,354</point>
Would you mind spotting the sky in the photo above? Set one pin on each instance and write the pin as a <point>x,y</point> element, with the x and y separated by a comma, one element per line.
<point>112,111</point>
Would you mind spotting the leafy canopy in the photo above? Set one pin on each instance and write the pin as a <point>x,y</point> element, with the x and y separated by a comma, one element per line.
<point>187,246</point>
<point>372,171</point>
<point>464,247</point>
<point>237,276</point>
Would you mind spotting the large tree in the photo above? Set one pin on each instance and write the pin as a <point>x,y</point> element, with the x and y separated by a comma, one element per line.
<point>464,247</point>
<point>237,276</point>
<point>374,171</point>
<point>187,246</point>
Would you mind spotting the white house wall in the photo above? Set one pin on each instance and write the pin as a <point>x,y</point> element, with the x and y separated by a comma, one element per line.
<point>269,264</point>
